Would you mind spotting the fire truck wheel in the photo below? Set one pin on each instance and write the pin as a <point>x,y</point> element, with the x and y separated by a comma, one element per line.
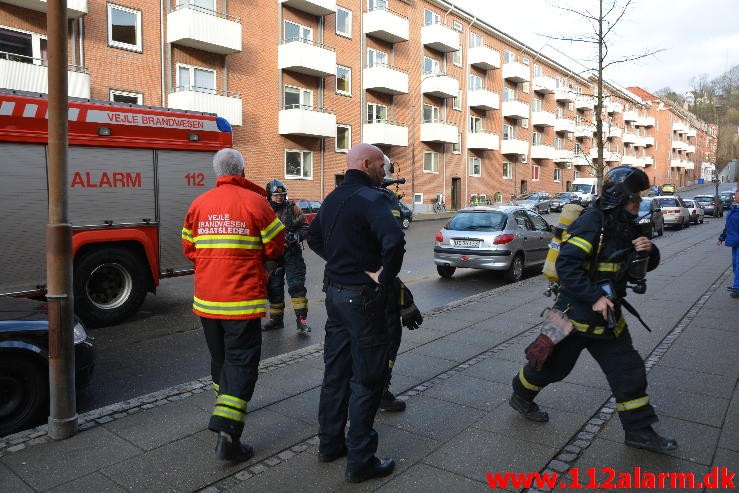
<point>109,286</point>
<point>23,393</point>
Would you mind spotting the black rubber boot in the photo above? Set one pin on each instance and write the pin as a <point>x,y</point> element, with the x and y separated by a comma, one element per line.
<point>231,449</point>
<point>391,403</point>
<point>528,409</point>
<point>648,439</point>
<point>273,323</point>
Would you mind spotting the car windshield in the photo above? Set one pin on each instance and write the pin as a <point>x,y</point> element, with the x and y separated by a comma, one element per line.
<point>703,198</point>
<point>563,195</point>
<point>668,203</point>
<point>688,203</point>
<point>529,196</point>
<point>473,221</point>
<point>582,188</point>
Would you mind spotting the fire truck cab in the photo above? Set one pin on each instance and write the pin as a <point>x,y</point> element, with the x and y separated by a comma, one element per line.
<point>132,173</point>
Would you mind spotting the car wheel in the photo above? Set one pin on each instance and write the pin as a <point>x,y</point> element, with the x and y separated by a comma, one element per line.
<point>445,271</point>
<point>23,393</point>
<point>515,271</point>
<point>405,223</point>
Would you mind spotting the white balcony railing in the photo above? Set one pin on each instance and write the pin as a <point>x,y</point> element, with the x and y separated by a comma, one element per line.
<point>679,145</point>
<point>582,131</point>
<point>440,86</point>
<point>544,84</point>
<point>563,156</point>
<point>689,164</point>
<point>645,121</point>
<point>613,132</point>
<point>584,102</point>
<point>564,125</point>
<point>514,146</point>
<point>677,163</point>
<point>628,160</point>
<point>629,137</point>
<point>679,127</point>
<point>75,8</point>
<point>542,152</point>
<point>648,140</point>
<point>483,140</point>
<point>614,107</point>
<point>631,116</point>
<point>692,132</point>
<point>313,7</point>
<point>608,156</point>
<point>439,131</point>
<point>197,27</point>
<point>386,25</point>
<point>646,161</point>
<point>564,94</point>
<point>516,72</point>
<point>306,57</point>
<point>307,121</point>
<point>28,74</point>
<point>483,99</point>
<point>225,104</point>
<point>440,38</point>
<point>484,57</point>
<point>385,132</point>
<point>543,118</point>
<point>517,110</point>
<point>386,79</point>
<point>690,148</point>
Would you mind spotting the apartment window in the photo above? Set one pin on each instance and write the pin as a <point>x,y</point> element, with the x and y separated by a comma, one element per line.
<point>508,132</point>
<point>431,161</point>
<point>124,27</point>
<point>457,57</point>
<point>509,94</point>
<point>508,56</point>
<point>376,113</point>
<point>457,146</point>
<point>418,198</point>
<point>524,123</point>
<point>21,46</point>
<point>557,174</point>
<point>343,138</point>
<point>197,79</point>
<point>475,83</point>
<point>457,101</point>
<point>475,166</point>
<point>126,97</point>
<point>204,4</point>
<point>376,57</point>
<point>538,72</point>
<point>430,66</point>
<point>577,149</point>
<point>298,164</point>
<point>297,97</point>
<point>430,113</point>
<point>507,170</point>
<point>559,143</point>
<point>295,32</point>
<point>343,80</point>
<point>536,104</point>
<point>576,175</point>
<point>535,172</point>
<point>475,124</point>
<point>475,40</point>
<point>457,26</point>
<point>430,17</point>
<point>343,22</point>
<point>536,138</point>
<point>525,87</point>
<point>376,4</point>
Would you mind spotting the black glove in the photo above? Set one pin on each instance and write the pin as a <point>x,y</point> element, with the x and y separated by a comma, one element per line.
<point>292,237</point>
<point>411,317</point>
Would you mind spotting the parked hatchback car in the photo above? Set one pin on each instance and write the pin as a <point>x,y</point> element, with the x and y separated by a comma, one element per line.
<point>674,211</point>
<point>668,189</point>
<point>727,197</point>
<point>24,363</point>
<point>650,218</point>
<point>309,208</point>
<point>695,210</point>
<point>504,238</point>
<point>539,202</point>
<point>711,204</point>
<point>562,199</point>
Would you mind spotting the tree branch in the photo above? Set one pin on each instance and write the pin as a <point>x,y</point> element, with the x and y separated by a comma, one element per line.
<point>632,58</point>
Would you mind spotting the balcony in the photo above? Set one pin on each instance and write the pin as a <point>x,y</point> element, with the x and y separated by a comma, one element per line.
<point>679,127</point>
<point>584,103</point>
<point>196,27</point>
<point>648,140</point>
<point>563,156</point>
<point>439,131</point>
<point>613,132</point>
<point>565,95</point>
<point>386,25</point>
<point>583,131</point>
<point>440,38</point>
<point>440,86</point>
<point>483,99</point>
<point>516,72</point>
<point>645,121</point>
<point>580,159</point>
<point>692,132</point>
<point>614,107</point>
<point>542,152</point>
<point>306,57</point>
<point>223,103</point>
<point>689,164</point>
<point>484,57</point>
<point>385,132</point>
<point>679,145</point>
<point>677,163</point>
<point>544,84</point>
<point>629,138</point>
<point>627,160</point>
<point>28,74</point>
<point>517,110</point>
<point>543,119</point>
<point>313,7</point>
<point>307,121</point>
<point>646,161</point>
<point>564,125</point>
<point>514,146</point>
<point>608,156</point>
<point>75,8</point>
<point>386,79</point>
<point>484,140</point>
<point>690,148</point>
<point>631,116</point>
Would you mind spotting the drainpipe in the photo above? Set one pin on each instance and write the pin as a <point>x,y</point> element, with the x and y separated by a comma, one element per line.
<point>163,67</point>
<point>81,33</point>
<point>468,114</point>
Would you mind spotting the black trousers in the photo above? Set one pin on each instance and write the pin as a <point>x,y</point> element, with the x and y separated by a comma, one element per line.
<point>355,357</point>
<point>395,332</point>
<point>235,349</point>
<point>621,363</point>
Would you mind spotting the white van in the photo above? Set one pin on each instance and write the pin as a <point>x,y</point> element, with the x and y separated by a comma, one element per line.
<point>586,189</point>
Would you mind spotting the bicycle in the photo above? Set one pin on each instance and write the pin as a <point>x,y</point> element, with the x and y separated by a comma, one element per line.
<point>439,206</point>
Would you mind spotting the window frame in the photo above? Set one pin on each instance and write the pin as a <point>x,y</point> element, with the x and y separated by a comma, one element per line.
<point>35,39</point>
<point>302,175</point>
<point>434,168</point>
<point>348,128</point>
<point>471,167</point>
<point>349,22</point>
<point>435,113</point>
<point>436,66</point>
<point>475,124</point>
<point>535,172</point>
<point>507,170</point>
<point>302,29</point>
<point>117,92</point>
<point>376,120</point>
<point>418,198</point>
<point>192,86</point>
<point>475,36</point>
<point>435,17</point>
<point>139,46</point>
<point>557,176</point>
<point>349,80</point>
<point>457,146</point>
<point>457,101</point>
<point>303,91</point>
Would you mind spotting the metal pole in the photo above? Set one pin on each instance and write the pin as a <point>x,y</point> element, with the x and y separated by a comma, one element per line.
<point>63,411</point>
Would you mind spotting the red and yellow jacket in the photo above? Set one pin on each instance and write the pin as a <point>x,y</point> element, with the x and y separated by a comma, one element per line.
<point>229,232</point>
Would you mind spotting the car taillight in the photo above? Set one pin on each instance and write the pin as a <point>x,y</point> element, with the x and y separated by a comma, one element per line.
<point>503,239</point>
<point>439,237</point>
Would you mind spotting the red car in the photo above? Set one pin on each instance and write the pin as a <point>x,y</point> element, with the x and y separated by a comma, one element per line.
<point>309,207</point>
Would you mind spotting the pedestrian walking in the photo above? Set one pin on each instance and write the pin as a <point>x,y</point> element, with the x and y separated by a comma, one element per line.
<point>363,246</point>
<point>229,233</point>
<point>601,251</point>
<point>730,237</point>
<point>291,264</point>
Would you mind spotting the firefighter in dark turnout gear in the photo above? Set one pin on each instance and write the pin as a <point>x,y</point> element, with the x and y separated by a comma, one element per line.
<point>290,265</point>
<point>603,234</point>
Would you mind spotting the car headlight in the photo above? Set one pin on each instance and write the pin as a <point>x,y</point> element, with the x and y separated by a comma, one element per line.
<point>80,334</point>
<point>644,220</point>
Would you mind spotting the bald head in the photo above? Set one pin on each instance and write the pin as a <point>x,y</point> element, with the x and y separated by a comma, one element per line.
<point>368,159</point>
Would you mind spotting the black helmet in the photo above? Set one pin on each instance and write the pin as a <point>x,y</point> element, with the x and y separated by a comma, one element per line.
<point>275,187</point>
<point>620,184</point>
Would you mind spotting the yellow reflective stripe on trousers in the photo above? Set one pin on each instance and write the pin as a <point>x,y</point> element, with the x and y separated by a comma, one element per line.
<point>299,302</point>
<point>187,235</point>
<point>229,307</point>
<point>526,383</point>
<point>599,329</point>
<point>216,389</point>
<point>581,243</point>
<point>632,404</point>
<point>270,231</point>
<point>229,414</point>
<point>231,401</point>
<point>228,241</point>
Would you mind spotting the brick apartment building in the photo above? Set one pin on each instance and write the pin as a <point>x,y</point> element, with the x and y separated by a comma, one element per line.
<point>463,108</point>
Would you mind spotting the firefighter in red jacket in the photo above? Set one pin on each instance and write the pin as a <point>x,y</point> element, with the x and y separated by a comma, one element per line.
<point>229,233</point>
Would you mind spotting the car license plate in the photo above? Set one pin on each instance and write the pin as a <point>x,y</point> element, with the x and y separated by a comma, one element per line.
<point>466,243</point>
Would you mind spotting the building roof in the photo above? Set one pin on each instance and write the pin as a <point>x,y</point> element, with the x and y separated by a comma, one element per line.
<point>643,94</point>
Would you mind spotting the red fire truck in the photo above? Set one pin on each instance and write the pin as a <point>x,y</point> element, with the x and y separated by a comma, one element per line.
<point>133,171</point>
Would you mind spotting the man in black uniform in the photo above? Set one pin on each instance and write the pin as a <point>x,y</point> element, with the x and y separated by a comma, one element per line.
<point>604,234</point>
<point>363,246</point>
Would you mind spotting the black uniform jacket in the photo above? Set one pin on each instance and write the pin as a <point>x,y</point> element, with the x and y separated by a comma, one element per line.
<point>354,231</point>
<point>578,290</point>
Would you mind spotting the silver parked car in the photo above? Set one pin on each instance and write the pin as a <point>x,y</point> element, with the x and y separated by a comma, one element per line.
<point>505,238</point>
<point>539,202</point>
<point>696,211</point>
<point>674,211</point>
